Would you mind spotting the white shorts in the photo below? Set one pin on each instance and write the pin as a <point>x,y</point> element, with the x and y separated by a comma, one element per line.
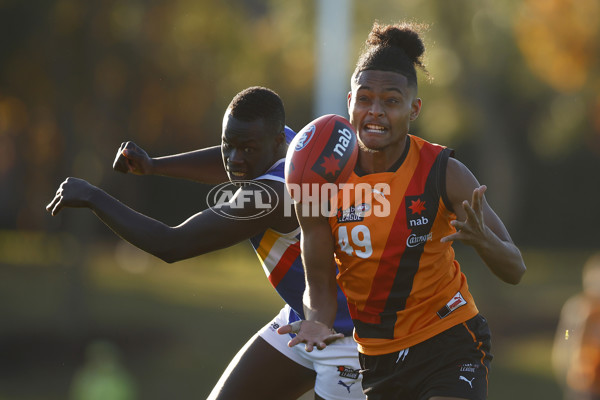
<point>337,366</point>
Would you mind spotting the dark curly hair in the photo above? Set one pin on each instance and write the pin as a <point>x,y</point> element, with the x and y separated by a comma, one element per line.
<point>259,102</point>
<point>397,48</point>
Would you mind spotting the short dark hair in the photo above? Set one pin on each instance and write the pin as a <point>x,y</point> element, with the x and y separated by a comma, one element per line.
<point>258,102</point>
<point>397,48</point>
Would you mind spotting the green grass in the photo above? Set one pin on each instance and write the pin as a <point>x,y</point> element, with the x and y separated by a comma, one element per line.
<point>178,325</point>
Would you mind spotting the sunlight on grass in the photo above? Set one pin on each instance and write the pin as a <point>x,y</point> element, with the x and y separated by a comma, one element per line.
<point>35,247</point>
<point>550,266</point>
<point>531,355</point>
<point>230,278</point>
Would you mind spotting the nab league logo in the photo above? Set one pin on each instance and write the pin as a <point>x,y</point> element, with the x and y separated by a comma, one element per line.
<point>353,213</point>
<point>305,137</point>
<point>226,198</point>
<point>346,372</point>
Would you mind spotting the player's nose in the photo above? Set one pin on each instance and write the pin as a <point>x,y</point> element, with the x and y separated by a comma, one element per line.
<point>236,156</point>
<point>376,109</point>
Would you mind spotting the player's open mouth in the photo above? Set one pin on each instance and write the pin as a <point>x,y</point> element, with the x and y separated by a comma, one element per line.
<point>237,174</point>
<point>374,128</point>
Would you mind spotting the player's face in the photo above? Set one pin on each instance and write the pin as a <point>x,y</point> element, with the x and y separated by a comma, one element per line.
<point>381,106</point>
<point>248,149</point>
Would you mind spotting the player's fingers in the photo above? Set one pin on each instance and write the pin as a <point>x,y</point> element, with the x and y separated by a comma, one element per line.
<point>296,340</point>
<point>477,199</point>
<point>50,205</point>
<point>57,207</point>
<point>133,154</point>
<point>457,224</point>
<point>132,150</point>
<point>308,347</point>
<point>282,330</point>
<point>471,214</point>
<point>481,201</point>
<point>295,327</point>
<point>130,145</point>
<point>449,238</point>
<point>120,162</point>
<point>321,345</point>
<point>120,148</point>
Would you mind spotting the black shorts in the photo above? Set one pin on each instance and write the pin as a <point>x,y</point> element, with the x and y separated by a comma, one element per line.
<point>454,363</point>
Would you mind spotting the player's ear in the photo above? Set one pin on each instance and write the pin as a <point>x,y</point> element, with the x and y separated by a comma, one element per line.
<point>349,99</point>
<point>415,108</point>
<point>280,138</point>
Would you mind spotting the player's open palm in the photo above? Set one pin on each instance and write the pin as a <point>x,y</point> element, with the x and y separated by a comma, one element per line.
<point>73,192</point>
<point>311,333</point>
<point>132,158</point>
<point>472,230</point>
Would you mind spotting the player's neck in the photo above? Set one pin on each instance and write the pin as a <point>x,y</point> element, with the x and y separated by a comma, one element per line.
<point>372,161</point>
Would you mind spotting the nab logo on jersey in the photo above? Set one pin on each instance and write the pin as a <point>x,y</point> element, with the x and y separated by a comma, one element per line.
<point>336,153</point>
<point>415,212</point>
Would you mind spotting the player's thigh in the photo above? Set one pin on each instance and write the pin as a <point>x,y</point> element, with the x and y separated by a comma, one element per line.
<point>338,371</point>
<point>464,358</point>
<point>260,371</point>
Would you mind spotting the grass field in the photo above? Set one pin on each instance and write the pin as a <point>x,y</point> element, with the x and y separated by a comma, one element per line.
<point>177,326</point>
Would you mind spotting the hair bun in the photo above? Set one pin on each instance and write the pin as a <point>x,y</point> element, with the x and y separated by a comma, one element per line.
<point>405,36</point>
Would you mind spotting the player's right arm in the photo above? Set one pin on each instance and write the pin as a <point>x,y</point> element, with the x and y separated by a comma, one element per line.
<point>320,295</point>
<point>201,233</point>
<point>203,165</point>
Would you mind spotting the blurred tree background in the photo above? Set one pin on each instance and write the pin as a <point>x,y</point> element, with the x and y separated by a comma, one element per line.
<point>515,91</point>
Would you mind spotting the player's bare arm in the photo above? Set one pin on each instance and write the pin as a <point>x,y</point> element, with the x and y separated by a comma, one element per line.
<point>203,165</point>
<point>320,301</point>
<point>202,233</point>
<point>478,225</point>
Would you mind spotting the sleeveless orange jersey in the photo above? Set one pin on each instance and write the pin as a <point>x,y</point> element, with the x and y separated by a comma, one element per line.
<point>403,285</point>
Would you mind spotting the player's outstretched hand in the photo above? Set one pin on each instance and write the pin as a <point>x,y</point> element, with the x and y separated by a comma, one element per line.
<point>473,230</point>
<point>311,333</point>
<point>73,192</point>
<point>132,158</point>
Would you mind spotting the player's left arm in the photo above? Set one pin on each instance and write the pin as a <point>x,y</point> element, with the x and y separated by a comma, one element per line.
<point>479,226</point>
<point>320,295</point>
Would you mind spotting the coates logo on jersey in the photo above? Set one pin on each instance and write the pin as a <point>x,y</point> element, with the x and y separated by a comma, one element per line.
<point>305,137</point>
<point>336,153</point>
<point>245,200</point>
